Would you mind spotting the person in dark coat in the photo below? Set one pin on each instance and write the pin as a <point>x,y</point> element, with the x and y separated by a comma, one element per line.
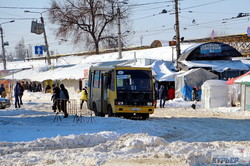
<point>64,98</point>
<point>39,87</point>
<point>17,94</point>
<point>30,87</point>
<point>55,97</point>
<point>156,97</point>
<point>195,93</point>
<point>194,96</point>
<point>33,87</point>
<point>21,89</point>
<point>48,88</point>
<point>2,90</point>
<point>162,96</point>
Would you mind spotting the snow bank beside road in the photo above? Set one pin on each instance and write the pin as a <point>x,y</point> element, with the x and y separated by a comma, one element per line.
<point>175,135</point>
<point>106,147</point>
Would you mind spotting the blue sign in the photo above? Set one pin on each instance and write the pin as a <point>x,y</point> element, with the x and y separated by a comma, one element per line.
<point>39,50</point>
<point>210,48</point>
<point>248,31</point>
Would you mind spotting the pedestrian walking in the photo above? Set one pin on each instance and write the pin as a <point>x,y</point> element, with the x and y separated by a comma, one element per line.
<point>64,98</point>
<point>195,93</point>
<point>162,96</point>
<point>55,97</point>
<point>21,89</point>
<point>194,96</point>
<point>84,96</point>
<point>156,97</point>
<point>17,94</point>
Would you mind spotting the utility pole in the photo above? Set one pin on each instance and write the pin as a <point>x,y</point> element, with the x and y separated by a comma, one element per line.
<point>44,33</point>
<point>3,50</point>
<point>119,33</point>
<point>177,30</point>
<point>45,40</point>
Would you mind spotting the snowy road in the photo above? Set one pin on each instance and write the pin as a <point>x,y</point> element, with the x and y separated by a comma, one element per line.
<point>175,135</point>
<point>203,129</point>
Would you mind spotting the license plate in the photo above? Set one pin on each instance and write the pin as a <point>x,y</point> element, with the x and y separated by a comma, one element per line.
<point>135,109</point>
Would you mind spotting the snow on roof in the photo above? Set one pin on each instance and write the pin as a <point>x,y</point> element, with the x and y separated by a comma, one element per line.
<point>38,72</point>
<point>215,83</point>
<point>244,79</point>
<point>72,72</point>
<point>217,65</point>
<point>162,71</point>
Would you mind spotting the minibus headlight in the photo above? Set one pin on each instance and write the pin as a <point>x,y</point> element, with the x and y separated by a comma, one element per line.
<point>149,103</point>
<point>120,103</point>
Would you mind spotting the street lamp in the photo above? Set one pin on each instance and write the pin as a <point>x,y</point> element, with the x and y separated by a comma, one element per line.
<point>44,33</point>
<point>1,29</point>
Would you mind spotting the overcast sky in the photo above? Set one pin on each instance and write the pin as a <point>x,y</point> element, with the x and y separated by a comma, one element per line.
<point>197,20</point>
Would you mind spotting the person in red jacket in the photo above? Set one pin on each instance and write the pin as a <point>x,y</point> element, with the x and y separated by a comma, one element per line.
<point>171,93</point>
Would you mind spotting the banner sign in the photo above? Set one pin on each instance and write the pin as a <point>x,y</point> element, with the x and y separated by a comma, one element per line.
<point>86,73</point>
<point>37,28</point>
<point>210,48</point>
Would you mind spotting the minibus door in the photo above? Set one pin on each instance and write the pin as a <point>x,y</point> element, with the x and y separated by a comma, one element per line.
<point>104,96</point>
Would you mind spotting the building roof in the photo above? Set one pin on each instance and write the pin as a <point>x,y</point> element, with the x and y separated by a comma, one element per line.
<point>209,51</point>
<point>217,65</point>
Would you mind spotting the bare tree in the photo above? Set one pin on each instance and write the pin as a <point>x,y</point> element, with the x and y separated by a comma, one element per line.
<point>91,21</point>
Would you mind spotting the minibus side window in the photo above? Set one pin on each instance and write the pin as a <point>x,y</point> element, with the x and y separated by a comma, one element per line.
<point>96,79</point>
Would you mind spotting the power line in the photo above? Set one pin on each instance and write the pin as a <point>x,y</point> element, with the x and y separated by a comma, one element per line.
<point>205,4</point>
<point>206,12</point>
<point>150,3</point>
<point>132,5</point>
<point>12,7</point>
<point>18,18</point>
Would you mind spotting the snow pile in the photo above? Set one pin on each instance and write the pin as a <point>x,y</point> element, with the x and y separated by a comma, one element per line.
<point>106,147</point>
<point>59,142</point>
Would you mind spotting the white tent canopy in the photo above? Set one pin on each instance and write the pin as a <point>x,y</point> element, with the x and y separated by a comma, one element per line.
<point>73,72</point>
<point>244,79</point>
<point>214,94</point>
<point>162,70</point>
<point>218,65</point>
<point>191,78</point>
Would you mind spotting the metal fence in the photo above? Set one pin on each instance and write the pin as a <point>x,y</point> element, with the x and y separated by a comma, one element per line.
<point>72,108</point>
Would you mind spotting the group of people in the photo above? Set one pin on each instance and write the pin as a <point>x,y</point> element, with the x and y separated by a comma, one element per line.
<point>60,97</point>
<point>18,94</point>
<point>165,94</point>
<point>32,86</point>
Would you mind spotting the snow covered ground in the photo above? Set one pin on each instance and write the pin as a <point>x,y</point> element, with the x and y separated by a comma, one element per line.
<point>175,135</point>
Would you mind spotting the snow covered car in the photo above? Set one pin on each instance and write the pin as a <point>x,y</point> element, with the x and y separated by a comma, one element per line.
<point>4,103</point>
